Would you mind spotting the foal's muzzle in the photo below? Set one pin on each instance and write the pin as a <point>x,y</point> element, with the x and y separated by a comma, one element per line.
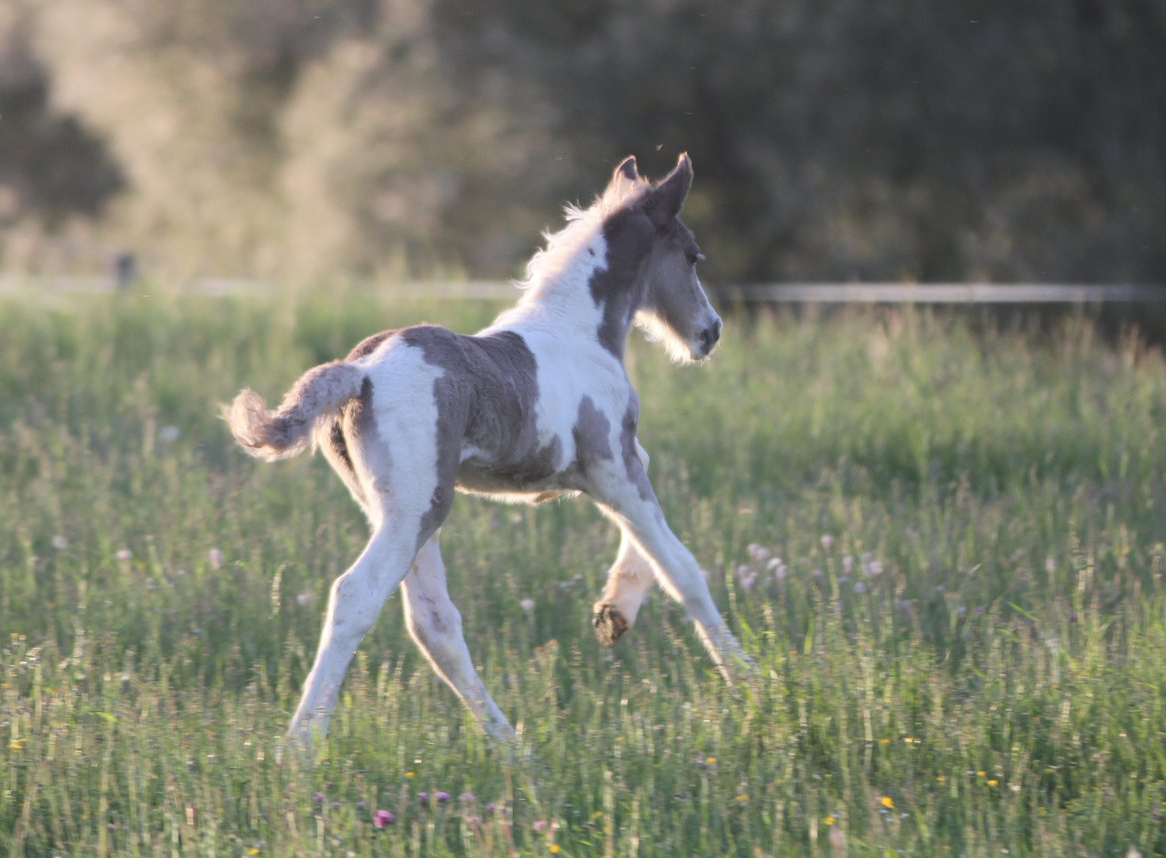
<point>709,337</point>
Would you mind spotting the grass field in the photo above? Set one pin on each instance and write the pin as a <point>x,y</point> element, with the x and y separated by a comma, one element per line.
<point>964,638</point>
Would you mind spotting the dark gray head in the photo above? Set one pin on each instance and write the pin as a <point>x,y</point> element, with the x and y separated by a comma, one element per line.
<point>670,304</point>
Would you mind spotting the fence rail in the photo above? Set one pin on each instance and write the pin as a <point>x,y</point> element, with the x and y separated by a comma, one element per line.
<point>948,293</point>
<point>775,293</point>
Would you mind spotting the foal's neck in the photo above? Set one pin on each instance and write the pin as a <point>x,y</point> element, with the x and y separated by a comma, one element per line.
<point>576,292</point>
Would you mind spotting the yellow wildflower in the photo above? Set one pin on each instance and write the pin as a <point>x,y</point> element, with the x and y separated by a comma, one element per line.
<point>711,761</point>
<point>887,802</point>
<point>941,779</point>
<point>829,820</point>
<point>410,774</point>
<point>554,848</point>
<point>993,782</point>
<point>980,773</point>
<point>884,742</point>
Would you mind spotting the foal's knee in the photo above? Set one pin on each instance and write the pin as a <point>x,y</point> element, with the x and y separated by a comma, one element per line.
<point>354,606</point>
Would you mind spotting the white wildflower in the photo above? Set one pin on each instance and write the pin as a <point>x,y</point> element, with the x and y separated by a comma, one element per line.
<point>757,553</point>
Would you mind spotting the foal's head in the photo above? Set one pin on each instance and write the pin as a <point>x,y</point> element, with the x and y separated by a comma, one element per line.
<point>669,304</point>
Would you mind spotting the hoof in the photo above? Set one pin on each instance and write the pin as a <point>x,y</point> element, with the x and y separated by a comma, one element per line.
<point>609,624</point>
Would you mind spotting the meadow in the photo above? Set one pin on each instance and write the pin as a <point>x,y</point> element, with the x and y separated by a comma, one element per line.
<point>941,538</point>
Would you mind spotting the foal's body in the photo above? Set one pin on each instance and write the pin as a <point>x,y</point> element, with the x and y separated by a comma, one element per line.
<point>537,405</point>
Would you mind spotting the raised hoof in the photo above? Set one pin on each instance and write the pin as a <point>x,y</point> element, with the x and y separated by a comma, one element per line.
<point>609,624</point>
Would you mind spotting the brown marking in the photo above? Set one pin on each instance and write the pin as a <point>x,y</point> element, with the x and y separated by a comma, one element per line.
<point>609,624</point>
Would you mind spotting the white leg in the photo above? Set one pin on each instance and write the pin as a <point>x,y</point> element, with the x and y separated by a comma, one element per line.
<point>628,498</point>
<point>436,626</point>
<point>628,582</point>
<point>353,606</point>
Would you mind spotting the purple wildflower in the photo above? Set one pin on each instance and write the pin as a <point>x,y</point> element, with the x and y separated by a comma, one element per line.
<point>318,798</point>
<point>382,818</point>
<point>539,826</point>
<point>442,796</point>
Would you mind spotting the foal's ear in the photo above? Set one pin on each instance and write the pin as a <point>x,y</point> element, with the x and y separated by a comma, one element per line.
<point>664,202</point>
<point>626,170</point>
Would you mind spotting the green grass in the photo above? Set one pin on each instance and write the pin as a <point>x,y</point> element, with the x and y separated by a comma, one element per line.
<point>971,625</point>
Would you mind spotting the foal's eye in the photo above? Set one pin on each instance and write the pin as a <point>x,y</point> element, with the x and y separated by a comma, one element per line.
<point>696,257</point>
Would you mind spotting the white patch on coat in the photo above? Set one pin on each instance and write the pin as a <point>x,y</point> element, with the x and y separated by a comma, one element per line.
<point>404,414</point>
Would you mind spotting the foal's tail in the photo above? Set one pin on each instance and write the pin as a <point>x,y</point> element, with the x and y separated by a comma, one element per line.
<point>287,431</point>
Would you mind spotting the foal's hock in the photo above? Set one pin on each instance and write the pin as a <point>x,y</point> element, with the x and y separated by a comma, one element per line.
<point>535,406</point>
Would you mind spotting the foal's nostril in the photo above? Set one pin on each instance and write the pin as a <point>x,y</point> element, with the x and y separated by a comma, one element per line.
<point>710,335</point>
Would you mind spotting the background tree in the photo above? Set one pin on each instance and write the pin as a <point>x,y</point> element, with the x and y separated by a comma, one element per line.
<point>832,140</point>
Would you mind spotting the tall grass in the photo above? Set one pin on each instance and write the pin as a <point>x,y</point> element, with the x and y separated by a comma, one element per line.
<point>944,546</point>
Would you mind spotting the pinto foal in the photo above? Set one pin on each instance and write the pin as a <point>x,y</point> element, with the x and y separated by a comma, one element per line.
<point>536,406</point>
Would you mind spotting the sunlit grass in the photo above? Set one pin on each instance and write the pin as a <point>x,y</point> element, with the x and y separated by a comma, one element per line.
<point>945,547</point>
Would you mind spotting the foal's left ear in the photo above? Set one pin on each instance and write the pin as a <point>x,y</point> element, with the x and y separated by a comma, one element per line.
<point>626,170</point>
<point>665,200</point>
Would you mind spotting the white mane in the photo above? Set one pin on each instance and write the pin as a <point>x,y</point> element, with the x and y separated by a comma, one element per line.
<point>550,262</point>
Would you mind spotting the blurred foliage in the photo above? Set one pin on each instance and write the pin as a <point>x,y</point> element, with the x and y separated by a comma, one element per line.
<point>837,140</point>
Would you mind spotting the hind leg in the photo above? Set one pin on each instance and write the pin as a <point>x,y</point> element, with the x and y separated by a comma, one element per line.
<point>628,582</point>
<point>353,605</point>
<point>436,625</point>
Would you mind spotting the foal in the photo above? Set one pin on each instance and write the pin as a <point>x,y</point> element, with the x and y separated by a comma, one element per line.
<point>536,406</point>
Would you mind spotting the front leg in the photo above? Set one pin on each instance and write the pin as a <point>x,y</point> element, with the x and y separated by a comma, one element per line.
<point>624,493</point>
<point>628,582</point>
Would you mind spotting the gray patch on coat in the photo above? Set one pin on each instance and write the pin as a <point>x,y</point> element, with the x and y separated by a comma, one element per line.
<point>592,434</point>
<point>485,399</point>
<point>334,446</point>
<point>355,433</point>
<point>360,425</point>
<point>337,436</point>
<point>619,289</point>
<point>672,289</point>
<point>369,345</point>
<point>636,472</point>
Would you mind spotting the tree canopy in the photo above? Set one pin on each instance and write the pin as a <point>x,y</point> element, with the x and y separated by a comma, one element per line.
<point>836,140</point>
